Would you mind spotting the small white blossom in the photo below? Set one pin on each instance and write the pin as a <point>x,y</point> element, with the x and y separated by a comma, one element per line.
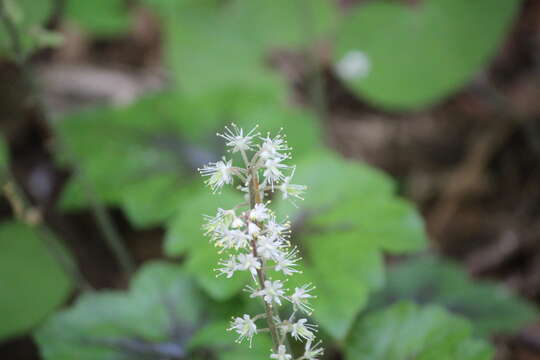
<point>355,64</point>
<point>268,247</point>
<point>273,148</point>
<point>302,330</point>
<point>285,262</point>
<point>259,213</point>
<point>253,229</point>
<point>287,189</point>
<point>236,239</point>
<point>272,292</point>
<point>236,139</point>
<point>248,262</point>
<point>222,220</point>
<point>281,354</point>
<point>229,267</point>
<point>312,352</point>
<point>273,170</point>
<point>237,223</point>
<point>300,298</point>
<point>245,327</point>
<point>220,173</point>
<point>274,229</point>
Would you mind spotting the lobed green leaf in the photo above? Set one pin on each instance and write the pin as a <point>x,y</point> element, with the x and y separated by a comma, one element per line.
<point>406,331</point>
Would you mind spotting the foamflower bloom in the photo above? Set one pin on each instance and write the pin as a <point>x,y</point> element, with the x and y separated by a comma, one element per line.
<point>245,327</point>
<point>252,238</point>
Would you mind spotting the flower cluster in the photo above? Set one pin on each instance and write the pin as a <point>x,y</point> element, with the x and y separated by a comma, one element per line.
<point>257,242</point>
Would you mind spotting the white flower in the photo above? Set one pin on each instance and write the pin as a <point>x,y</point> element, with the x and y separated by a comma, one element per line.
<point>220,173</point>
<point>272,148</point>
<point>281,354</point>
<point>248,262</point>
<point>253,229</point>
<point>259,213</point>
<point>285,262</point>
<point>222,220</point>
<point>245,327</point>
<point>274,229</point>
<point>300,298</point>
<point>313,352</point>
<point>272,172</point>
<point>355,64</point>
<point>287,189</point>
<point>268,247</point>
<point>272,292</point>
<point>301,330</point>
<point>236,139</point>
<point>237,223</point>
<point>229,267</point>
<point>233,239</point>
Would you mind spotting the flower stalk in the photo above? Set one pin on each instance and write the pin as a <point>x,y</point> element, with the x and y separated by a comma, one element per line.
<point>254,199</point>
<point>257,242</point>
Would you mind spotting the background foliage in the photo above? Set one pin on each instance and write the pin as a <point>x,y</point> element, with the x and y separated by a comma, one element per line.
<point>141,158</point>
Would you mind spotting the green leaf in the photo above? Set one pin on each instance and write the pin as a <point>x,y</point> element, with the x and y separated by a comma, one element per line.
<point>149,201</point>
<point>239,34</point>
<point>163,310</point>
<point>161,298</point>
<point>28,17</point>
<point>428,279</point>
<point>421,54</point>
<point>185,235</point>
<point>405,331</point>
<point>32,284</point>
<point>350,216</point>
<point>285,23</point>
<point>99,17</point>
<point>144,141</point>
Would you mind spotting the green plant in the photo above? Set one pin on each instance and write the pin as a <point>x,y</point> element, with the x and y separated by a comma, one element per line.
<point>419,55</point>
<point>432,280</point>
<point>142,158</point>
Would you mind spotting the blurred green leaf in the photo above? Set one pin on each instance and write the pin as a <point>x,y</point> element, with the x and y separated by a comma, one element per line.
<point>352,213</point>
<point>421,54</point>
<point>221,45</point>
<point>148,151</point>
<point>405,331</point>
<point>152,200</point>
<point>285,23</point>
<point>428,279</point>
<point>162,298</point>
<point>99,17</point>
<point>28,18</point>
<point>32,284</point>
<point>163,311</point>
